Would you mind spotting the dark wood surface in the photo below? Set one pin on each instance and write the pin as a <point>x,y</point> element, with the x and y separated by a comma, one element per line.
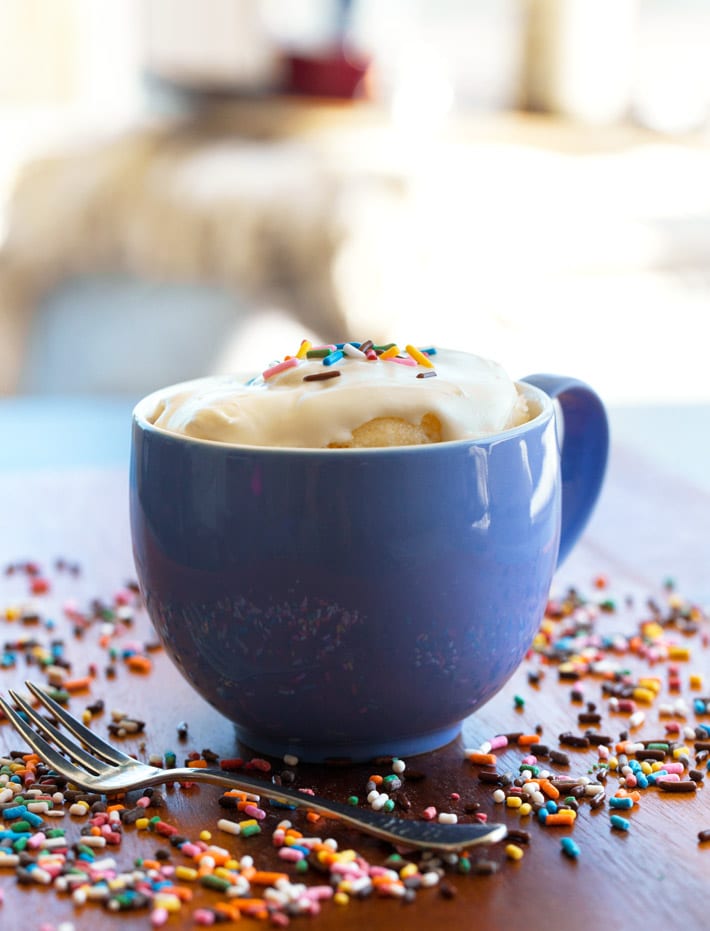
<point>650,525</point>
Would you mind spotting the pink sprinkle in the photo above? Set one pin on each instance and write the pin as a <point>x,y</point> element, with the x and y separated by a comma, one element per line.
<point>292,854</point>
<point>190,849</point>
<point>124,596</point>
<point>454,796</point>
<point>281,367</point>
<point>201,916</point>
<point>481,816</point>
<point>631,781</point>
<point>674,768</point>
<point>37,840</point>
<point>429,813</point>
<point>530,760</point>
<point>254,812</point>
<point>158,917</point>
<point>407,361</point>
<point>671,777</point>
<point>143,802</point>
<point>320,892</point>
<point>498,742</point>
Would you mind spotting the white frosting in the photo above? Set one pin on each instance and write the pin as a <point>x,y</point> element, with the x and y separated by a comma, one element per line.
<point>472,397</point>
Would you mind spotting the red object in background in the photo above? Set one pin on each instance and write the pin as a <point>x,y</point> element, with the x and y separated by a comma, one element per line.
<point>330,74</point>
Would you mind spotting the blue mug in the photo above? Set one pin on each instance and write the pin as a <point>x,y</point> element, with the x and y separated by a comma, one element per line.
<point>358,603</point>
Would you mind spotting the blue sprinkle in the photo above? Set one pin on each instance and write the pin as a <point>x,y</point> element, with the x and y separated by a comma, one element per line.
<point>622,824</point>
<point>334,357</point>
<point>569,848</point>
<point>624,802</point>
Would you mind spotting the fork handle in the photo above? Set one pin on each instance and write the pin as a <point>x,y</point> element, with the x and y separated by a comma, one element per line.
<point>420,834</point>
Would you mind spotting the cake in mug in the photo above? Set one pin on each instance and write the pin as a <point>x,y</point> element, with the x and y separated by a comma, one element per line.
<point>350,395</point>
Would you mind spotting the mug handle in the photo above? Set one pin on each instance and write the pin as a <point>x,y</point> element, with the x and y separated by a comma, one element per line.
<point>583,430</point>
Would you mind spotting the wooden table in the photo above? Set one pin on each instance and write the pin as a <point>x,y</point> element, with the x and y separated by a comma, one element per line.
<point>651,523</point>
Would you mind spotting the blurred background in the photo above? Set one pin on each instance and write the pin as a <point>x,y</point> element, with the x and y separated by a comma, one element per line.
<point>192,186</point>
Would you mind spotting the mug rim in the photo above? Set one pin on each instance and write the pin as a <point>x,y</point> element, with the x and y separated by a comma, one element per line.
<point>544,402</point>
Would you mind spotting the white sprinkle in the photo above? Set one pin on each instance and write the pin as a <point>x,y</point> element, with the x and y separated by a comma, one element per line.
<point>448,817</point>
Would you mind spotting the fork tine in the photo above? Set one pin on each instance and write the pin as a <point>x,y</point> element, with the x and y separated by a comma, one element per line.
<point>72,749</point>
<point>98,746</point>
<point>41,747</point>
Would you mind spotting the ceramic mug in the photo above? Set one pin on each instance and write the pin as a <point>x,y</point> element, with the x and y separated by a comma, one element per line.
<point>358,603</point>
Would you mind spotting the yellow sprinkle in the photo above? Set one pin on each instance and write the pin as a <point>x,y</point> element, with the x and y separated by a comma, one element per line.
<point>525,809</point>
<point>643,695</point>
<point>613,762</point>
<point>696,680</point>
<point>513,801</point>
<point>680,751</point>
<point>185,872</point>
<point>86,716</point>
<point>679,653</point>
<point>12,613</point>
<point>341,898</point>
<point>650,682</point>
<point>513,852</point>
<point>231,865</point>
<point>390,353</point>
<point>656,766</point>
<point>142,823</point>
<point>303,348</point>
<point>171,903</point>
<point>205,835</point>
<point>409,870</point>
<point>646,767</point>
<point>419,357</point>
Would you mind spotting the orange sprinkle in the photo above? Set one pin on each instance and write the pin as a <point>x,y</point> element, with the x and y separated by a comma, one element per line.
<point>563,816</point>
<point>377,779</point>
<point>483,759</point>
<point>526,739</point>
<point>138,663</point>
<point>118,807</point>
<point>550,790</point>
<point>313,816</point>
<point>266,877</point>
<point>244,904</point>
<point>77,685</point>
<point>197,764</point>
<point>230,911</point>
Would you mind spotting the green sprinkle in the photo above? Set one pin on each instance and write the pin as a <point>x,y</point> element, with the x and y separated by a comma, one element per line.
<point>353,800</point>
<point>318,353</point>
<point>302,866</point>
<point>249,830</point>
<point>464,865</point>
<point>519,701</point>
<point>210,881</point>
<point>21,827</point>
<point>389,805</point>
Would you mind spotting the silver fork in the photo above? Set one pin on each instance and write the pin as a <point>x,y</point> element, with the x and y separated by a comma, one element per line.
<point>111,771</point>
